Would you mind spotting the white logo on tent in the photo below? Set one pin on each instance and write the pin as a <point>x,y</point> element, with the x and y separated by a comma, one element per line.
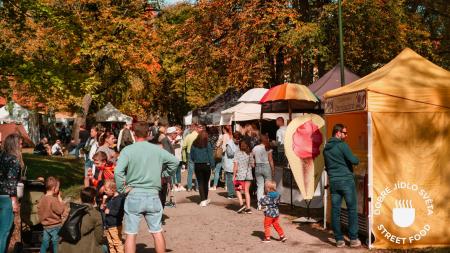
<point>403,214</point>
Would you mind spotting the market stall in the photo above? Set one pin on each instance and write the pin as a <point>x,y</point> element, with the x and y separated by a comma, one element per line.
<point>109,113</point>
<point>294,100</point>
<point>210,114</point>
<point>14,113</point>
<point>398,121</point>
<point>332,80</point>
<point>13,128</point>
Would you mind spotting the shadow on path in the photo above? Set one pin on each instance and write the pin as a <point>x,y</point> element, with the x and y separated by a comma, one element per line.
<point>320,234</point>
<point>194,198</point>
<point>142,248</point>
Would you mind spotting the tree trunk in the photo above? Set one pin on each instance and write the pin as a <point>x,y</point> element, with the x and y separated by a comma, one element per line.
<point>279,67</point>
<point>81,119</point>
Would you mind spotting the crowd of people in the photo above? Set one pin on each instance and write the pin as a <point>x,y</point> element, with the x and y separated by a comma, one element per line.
<point>138,172</point>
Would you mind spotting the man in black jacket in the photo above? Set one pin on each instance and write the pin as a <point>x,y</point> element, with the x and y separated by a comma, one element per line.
<point>339,161</point>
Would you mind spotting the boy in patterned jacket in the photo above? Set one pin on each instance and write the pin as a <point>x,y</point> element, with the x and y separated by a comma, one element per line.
<point>271,201</point>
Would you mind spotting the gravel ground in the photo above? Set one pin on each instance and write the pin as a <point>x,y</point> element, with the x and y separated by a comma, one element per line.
<point>218,228</point>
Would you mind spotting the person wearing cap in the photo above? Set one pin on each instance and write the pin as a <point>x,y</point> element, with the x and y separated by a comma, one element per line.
<point>172,135</point>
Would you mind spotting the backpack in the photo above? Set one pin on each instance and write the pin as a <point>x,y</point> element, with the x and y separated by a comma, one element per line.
<point>71,229</point>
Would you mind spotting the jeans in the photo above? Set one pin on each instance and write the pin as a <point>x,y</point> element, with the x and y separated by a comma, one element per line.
<point>217,171</point>
<point>6,218</point>
<point>147,204</point>
<point>77,149</point>
<point>203,173</point>
<point>344,189</point>
<point>50,234</point>
<point>229,183</point>
<point>176,178</point>
<point>262,174</point>
<point>190,173</point>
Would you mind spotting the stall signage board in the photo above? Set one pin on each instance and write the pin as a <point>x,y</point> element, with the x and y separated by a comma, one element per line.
<point>355,101</point>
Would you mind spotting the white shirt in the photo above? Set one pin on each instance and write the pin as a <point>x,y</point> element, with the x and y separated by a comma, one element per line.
<point>56,148</point>
<point>93,150</point>
<point>261,154</point>
<point>281,132</point>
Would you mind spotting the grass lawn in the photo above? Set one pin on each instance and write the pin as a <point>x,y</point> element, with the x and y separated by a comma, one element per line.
<point>68,169</point>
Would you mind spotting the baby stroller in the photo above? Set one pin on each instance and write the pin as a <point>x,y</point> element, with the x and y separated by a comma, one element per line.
<point>31,228</point>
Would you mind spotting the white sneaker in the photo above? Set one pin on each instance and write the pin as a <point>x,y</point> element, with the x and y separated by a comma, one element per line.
<point>181,189</point>
<point>208,201</point>
<point>203,203</point>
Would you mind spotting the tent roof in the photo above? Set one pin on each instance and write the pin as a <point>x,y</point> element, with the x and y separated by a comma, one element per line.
<point>11,128</point>
<point>210,113</point>
<point>410,78</point>
<point>253,95</point>
<point>248,111</point>
<point>18,113</point>
<point>109,113</point>
<point>332,80</point>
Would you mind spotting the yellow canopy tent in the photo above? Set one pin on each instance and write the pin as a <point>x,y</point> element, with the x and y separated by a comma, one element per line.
<point>398,118</point>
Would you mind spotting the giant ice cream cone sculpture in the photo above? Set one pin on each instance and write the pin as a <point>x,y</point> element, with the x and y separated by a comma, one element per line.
<point>303,144</point>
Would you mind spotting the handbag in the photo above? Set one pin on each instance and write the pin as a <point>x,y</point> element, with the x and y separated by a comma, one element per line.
<point>218,154</point>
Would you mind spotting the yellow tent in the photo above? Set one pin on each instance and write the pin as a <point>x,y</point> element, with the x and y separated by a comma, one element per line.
<point>398,118</point>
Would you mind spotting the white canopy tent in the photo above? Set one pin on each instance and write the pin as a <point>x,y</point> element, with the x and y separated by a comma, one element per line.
<point>248,111</point>
<point>18,115</point>
<point>110,114</point>
<point>253,95</point>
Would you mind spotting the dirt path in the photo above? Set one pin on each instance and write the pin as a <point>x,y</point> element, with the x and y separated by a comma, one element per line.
<point>218,228</point>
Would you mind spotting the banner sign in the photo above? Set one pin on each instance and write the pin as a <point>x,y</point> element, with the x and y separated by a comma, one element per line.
<point>355,101</point>
<point>411,169</point>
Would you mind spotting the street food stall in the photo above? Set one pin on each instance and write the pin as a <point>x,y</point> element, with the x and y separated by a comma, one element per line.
<point>297,101</point>
<point>398,120</point>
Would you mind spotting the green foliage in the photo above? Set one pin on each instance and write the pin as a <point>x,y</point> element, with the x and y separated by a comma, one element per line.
<point>146,64</point>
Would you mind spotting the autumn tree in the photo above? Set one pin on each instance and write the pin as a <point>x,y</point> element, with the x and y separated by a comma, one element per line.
<point>64,51</point>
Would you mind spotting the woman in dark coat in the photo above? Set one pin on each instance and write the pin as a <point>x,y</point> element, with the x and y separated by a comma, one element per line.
<point>91,228</point>
<point>10,165</point>
<point>202,156</point>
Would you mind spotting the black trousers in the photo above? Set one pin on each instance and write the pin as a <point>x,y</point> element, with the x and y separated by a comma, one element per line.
<point>203,173</point>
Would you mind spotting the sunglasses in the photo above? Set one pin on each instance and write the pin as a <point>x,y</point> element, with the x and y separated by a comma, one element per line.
<point>344,133</point>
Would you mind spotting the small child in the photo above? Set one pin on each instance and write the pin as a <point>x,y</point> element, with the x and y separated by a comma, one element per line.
<point>51,209</point>
<point>243,176</point>
<point>271,201</point>
<point>113,208</point>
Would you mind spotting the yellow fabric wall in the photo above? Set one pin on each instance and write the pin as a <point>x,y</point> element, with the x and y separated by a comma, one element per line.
<point>411,150</point>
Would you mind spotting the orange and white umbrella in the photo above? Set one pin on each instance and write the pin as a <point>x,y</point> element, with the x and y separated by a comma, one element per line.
<point>289,97</point>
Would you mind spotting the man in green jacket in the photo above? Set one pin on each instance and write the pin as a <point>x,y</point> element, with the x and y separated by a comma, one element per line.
<point>138,173</point>
<point>339,161</point>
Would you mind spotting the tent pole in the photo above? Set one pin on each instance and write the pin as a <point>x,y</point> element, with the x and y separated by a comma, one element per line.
<point>370,176</point>
<point>341,43</point>
<point>325,198</point>
<point>290,111</point>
